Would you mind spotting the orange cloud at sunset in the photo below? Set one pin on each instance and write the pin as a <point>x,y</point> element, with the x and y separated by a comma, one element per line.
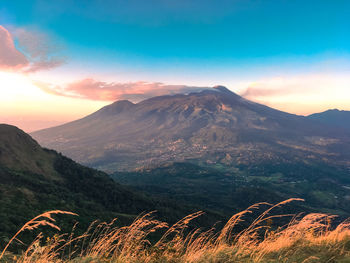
<point>10,57</point>
<point>98,90</point>
<point>29,108</point>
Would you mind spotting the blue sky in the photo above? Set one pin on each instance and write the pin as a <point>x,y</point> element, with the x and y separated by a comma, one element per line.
<point>243,44</point>
<point>189,33</point>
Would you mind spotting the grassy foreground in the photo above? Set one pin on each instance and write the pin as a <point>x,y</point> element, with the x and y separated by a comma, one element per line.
<point>309,238</point>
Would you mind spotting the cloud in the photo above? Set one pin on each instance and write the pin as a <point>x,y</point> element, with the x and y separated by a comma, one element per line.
<point>33,52</point>
<point>254,92</point>
<point>98,90</point>
<point>281,86</point>
<point>303,93</point>
<point>10,57</point>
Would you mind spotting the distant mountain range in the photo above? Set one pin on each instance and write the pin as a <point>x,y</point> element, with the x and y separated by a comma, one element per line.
<point>335,118</point>
<point>211,127</point>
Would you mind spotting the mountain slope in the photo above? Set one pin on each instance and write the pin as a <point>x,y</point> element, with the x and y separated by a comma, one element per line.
<point>33,180</point>
<point>211,126</point>
<point>335,117</point>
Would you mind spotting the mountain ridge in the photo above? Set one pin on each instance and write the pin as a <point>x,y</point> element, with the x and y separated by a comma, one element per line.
<point>334,117</point>
<point>203,126</point>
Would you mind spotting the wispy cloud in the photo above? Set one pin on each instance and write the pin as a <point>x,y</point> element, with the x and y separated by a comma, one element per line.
<point>282,86</point>
<point>302,94</point>
<point>33,52</point>
<point>253,92</point>
<point>10,57</point>
<point>110,91</point>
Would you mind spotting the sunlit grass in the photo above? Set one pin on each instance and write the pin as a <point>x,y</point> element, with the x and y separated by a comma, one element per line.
<point>309,238</point>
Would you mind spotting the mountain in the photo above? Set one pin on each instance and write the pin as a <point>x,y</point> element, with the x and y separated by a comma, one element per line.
<point>211,127</point>
<point>34,180</point>
<point>335,118</point>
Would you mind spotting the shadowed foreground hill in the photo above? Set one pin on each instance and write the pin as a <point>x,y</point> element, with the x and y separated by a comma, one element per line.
<point>33,180</point>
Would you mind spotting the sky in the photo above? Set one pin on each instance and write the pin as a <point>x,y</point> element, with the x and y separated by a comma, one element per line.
<point>61,60</point>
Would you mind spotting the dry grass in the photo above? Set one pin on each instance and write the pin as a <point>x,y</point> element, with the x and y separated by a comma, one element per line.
<point>305,239</point>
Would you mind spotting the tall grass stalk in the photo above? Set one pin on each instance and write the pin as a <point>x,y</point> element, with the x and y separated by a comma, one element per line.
<point>308,238</point>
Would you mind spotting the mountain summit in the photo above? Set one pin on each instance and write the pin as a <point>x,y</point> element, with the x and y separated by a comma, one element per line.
<point>211,126</point>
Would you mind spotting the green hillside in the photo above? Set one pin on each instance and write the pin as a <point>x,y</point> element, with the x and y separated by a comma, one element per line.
<point>34,180</point>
